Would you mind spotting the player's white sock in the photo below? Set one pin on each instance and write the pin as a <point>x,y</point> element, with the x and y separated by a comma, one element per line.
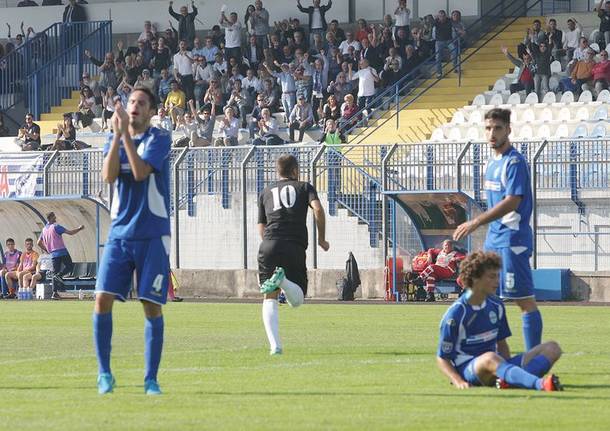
<point>294,294</point>
<point>271,320</point>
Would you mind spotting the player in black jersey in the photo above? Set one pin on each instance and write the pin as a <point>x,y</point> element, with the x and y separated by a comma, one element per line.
<point>282,224</point>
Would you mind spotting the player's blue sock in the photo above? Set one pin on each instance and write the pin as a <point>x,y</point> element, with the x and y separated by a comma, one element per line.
<point>4,287</point>
<point>102,336</point>
<point>516,376</point>
<point>153,339</point>
<point>532,329</point>
<point>538,366</point>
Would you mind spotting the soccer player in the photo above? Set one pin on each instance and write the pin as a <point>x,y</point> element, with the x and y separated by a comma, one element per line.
<point>136,161</point>
<point>472,349</point>
<point>282,224</point>
<point>509,198</point>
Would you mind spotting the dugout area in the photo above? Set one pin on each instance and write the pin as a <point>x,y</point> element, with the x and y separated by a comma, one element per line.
<point>25,218</point>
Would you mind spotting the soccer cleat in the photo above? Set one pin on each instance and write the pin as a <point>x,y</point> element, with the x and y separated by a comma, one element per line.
<point>105,383</point>
<point>151,387</point>
<point>273,283</point>
<point>551,383</point>
<point>275,352</point>
<point>501,384</point>
<point>55,296</point>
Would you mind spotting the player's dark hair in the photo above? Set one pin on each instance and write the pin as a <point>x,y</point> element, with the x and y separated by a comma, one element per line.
<point>50,216</point>
<point>29,240</point>
<point>286,165</point>
<point>152,100</point>
<point>498,114</point>
<point>10,240</point>
<point>475,265</point>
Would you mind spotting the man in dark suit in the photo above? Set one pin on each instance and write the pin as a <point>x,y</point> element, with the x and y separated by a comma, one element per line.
<point>74,13</point>
<point>370,53</point>
<point>253,52</point>
<point>317,18</point>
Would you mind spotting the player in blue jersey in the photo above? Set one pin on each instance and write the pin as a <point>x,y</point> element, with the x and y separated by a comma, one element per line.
<point>472,349</point>
<point>136,162</point>
<point>509,198</point>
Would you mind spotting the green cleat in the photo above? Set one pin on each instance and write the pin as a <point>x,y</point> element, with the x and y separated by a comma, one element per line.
<point>105,383</point>
<point>273,283</point>
<point>151,387</point>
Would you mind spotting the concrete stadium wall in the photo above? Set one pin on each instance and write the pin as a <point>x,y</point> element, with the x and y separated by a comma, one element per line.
<point>20,222</point>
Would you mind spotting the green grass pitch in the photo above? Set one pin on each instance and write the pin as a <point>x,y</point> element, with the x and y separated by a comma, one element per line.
<point>345,367</point>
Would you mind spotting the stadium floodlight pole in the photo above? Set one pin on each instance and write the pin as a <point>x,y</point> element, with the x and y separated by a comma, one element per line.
<point>314,182</point>
<point>244,206</point>
<point>384,201</point>
<point>458,165</point>
<point>176,169</point>
<point>45,173</point>
<point>533,178</point>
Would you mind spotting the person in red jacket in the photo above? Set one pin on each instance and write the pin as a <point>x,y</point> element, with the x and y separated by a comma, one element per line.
<point>601,72</point>
<point>442,264</point>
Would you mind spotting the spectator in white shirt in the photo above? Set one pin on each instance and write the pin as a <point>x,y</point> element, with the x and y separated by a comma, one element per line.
<point>232,35</point>
<point>229,129</point>
<point>183,70</point>
<point>164,122</point>
<point>203,75</point>
<point>148,28</point>
<point>571,37</point>
<point>402,17</point>
<point>301,118</point>
<point>268,130</point>
<point>349,41</point>
<point>367,77</point>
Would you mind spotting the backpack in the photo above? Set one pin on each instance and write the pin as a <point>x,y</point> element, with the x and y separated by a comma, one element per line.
<point>348,284</point>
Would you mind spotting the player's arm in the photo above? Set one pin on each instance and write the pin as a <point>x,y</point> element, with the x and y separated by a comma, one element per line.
<point>503,349</point>
<point>449,370</point>
<point>261,229</point>
<point>41,245</point>
<point>74,231</point>
<point>34,263</point>
<point>320,217</point>
<point>508,204</point>
<point>139,168</point>
<point>111,166</point>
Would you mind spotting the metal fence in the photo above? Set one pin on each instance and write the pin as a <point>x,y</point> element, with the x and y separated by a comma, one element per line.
<point>214,195</point>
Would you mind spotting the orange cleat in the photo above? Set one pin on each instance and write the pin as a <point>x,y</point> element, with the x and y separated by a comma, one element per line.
<point>551,383</point>
<point>501,384</point>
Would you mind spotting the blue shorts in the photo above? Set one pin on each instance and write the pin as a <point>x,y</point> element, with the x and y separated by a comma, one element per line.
<point>516,274</point>
<point>466,370</point>
<point>148,258</point>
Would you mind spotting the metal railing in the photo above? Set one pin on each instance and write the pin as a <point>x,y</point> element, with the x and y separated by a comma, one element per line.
<point>56,79</point>
<point>20,64</point>
<point>400,95</point>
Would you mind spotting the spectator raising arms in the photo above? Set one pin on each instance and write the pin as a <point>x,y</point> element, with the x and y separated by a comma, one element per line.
<point>317,17</point>
<point>186,22</point>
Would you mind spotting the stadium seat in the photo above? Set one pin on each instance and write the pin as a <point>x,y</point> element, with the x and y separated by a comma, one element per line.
<point>594,46</point>
<point>526,132</point>
<point>458,118</point>
<point>555,67</point>
<point>586,97</point>
<point>598,131</point>
<point>608,48</point>
<point>528,115</point>
<point>582,114</point>
<point>500,85</point>
<point>562,131</point>
<point>567,97</point>
<point>514,99</point>
<point>564,114</point>
<point>531,98</point>
<point>496,100</point>
<point>479,100</point>
<point>454,134</point>
<point>601,113</point>
<point>593,36</point>
<point>473,134</point>
<point>604,95</point>
<point>437,135</point>
<point>546,115</point>
<point>475,117</point>
<point>549,98</point>
<point>580,131</point>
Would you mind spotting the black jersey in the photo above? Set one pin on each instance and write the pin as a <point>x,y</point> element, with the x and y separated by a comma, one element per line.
<point>282,207</point>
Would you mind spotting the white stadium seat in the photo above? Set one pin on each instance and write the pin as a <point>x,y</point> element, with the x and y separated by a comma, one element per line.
<point>598,131</point>
<point>496,100</point>
<point>514,99</point>
<point>604,95</point>
<point>549,98</point>
<point>473,134</point>
<point>544,132</point>
<point>458,118</point>
<point>526,132</point>
<point>531,98</point>
<point>555,67</point>
<point>594,46</point>
<point>564,114</point>
<point>454,134</point>
<point>553,83</point>
<point>437,135</point>
<point>475,117</point>
<point>500,85</point>
<point>567,97</point>
<point>593,36</point>
<point>479,100</point>
<point>528,115</point>
<point>586,97</point>
<point>580,131</point>
<point>601,113</point>
<point>582,114</point>
<point>546,115</point>
<point>562,131</point>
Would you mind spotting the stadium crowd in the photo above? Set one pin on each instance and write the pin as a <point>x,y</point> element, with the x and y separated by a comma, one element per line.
<point>246,69</point>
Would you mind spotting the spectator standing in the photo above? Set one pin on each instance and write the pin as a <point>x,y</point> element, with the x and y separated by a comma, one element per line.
<point>402,17</point>
<point>148,28</point>
<point>286,80</point>
<point>109,100</point>
<point>604,16</point>
<point>367,77</point>
<point>341,87</point>
<point>525,80</point>
<point>349,41</point>
<point>28,137</point>
<point>571,37</point>
<point>443,31</point>
<point>51,242</point>
<point>232,35</point>
<point>183,69</point>
<point>27,3</point>
<point>186,22</point>
<point>317,17</point>
<point>555,36</point>
<point>542,56</point>
<point>74,12</point>
<point>10,265</point>
<point>106,70</point>
<point>301,118</point>
<point>260,23</point>
<point>162,58</point>
<point>164,85</point>
<point>203,75</point>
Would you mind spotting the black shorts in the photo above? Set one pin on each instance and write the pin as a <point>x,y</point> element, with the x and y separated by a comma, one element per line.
<point>289,255</point>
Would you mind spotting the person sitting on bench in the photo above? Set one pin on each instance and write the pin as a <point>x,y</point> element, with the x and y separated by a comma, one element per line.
<point>442,264</point>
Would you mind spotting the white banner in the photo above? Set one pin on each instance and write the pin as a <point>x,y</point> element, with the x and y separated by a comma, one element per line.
<point>21,175</point>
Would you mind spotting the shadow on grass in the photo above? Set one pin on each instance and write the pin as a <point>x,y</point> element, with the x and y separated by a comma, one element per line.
<point>431,354</point>
<point>587,386</point>
<point>57,388</point>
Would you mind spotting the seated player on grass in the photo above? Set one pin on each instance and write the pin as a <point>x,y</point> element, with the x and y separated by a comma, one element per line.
<point>472,349</point>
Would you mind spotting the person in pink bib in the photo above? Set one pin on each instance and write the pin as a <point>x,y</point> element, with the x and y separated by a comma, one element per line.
<point>51,242</point>
<point>9,267</point>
